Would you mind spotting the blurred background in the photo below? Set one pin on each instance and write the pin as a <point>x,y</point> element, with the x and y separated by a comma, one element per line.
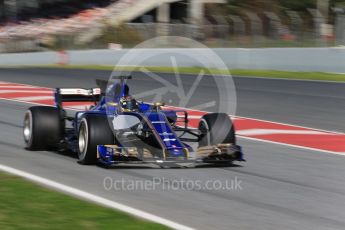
<point>38,25</point>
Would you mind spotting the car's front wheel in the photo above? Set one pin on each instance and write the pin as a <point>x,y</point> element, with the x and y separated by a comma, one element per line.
<point>216,128</point>
<point>93,130</point>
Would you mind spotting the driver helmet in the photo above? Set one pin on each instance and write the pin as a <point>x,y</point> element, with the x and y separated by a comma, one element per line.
<point>129,104</point>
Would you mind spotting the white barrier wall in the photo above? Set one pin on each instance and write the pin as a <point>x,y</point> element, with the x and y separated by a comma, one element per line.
<point>292,59</point>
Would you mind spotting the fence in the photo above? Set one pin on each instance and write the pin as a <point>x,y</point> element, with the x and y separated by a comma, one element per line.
<point>247,31</point>
<point>292,59</point>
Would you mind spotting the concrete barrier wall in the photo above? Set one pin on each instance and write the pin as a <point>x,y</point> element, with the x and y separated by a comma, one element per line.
<point>291,59</point>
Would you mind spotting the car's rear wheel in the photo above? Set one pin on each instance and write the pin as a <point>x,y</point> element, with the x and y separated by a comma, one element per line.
<point>43,128</point>
<point>93,130</point>
<point>216,128</point>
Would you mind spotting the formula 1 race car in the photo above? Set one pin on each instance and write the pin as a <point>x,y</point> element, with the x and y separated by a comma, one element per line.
<point>119,129</point>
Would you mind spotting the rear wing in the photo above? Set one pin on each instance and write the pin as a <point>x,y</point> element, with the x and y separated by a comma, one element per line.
<point>76,95</point>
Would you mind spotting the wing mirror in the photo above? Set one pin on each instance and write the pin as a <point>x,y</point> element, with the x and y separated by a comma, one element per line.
<point>158,104</point>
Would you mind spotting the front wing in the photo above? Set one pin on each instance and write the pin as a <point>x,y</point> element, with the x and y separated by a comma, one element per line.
<point>221,153</point>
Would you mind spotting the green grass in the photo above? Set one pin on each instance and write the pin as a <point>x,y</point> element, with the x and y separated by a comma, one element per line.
<point>24,205</point>
<point>321,76</point>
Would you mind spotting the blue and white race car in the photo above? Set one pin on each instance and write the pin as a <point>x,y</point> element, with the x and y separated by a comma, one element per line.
<point>119,129</point>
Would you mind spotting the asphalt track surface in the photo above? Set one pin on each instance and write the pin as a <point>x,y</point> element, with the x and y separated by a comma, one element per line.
<point>281,187</point>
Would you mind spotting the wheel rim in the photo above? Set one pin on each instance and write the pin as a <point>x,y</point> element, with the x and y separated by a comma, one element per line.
<point>27,131</point>
<point>83,140</point>
<point>206,138</point>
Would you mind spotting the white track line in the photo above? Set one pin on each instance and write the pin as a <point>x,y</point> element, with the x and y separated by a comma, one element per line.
<point>297,126</point>
<point>290,79</point>
<point>27,91</point>
<point>197,117</point>
<point>34,98</point>
<point>16,87</point>
<point>24,102</point>
<point>291,145</point>
<point>254,132</point>
<point>19,84</point>
<point>93,198</point>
